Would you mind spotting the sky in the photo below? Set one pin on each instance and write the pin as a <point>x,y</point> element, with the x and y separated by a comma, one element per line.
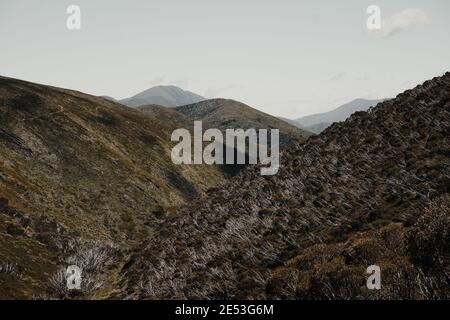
<point>288,57</point>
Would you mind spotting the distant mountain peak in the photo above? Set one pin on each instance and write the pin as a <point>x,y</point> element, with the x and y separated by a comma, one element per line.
<point>164,95</point>
<point>320,121</point>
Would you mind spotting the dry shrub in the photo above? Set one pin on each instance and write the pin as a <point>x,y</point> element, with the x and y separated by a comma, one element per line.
<point>94,258</point>
<point>429,240</point>
<point>10,268</point>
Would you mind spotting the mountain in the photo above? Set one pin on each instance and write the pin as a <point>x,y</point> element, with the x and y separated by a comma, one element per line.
<point>78,171</point>
<point>372,190</point>
<point>167,96</point>
<point>227,113</point>
<point>293,123</point>
<point>318,122</point>
<point>166,114</point>
<point>85,181</point>
<point>319,127</point>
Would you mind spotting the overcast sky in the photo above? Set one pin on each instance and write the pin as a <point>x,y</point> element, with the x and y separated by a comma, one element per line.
<point>287,57</point>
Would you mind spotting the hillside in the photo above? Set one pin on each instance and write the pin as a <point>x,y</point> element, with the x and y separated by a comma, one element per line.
<point>226,113</point>
<point>167,96</point>
<point>319,127</point>
<point>370,190</point>
<point>318,122</point>
<point>75,168</point>
<point>293,123</point>
<point>166,114</point>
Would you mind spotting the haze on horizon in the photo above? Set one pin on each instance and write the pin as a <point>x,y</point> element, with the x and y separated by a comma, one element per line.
<point>287,58</point>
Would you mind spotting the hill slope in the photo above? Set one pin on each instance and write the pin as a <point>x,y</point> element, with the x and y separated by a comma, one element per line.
<point>166,114</point>
<point>370,190</point>
<point>167,96</point>
<point>293,123</point>
<point>225,113</point>
<point>75,167</point>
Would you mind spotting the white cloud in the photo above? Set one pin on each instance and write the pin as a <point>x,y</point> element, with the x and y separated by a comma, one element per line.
<point>400,21</point>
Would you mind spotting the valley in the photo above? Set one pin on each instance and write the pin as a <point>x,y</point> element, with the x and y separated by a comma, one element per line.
<point>87,181</point>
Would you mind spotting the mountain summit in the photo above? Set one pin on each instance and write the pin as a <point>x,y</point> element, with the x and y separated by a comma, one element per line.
<point>167,96</point>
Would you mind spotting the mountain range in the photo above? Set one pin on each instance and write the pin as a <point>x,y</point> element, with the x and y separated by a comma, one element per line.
<point>316,123</point>
<point>80,170</point>
<point>172,96</point>
<point>372,190</point>
<point>74,166</point>
<point>89,182</point>
<point>225,114</point>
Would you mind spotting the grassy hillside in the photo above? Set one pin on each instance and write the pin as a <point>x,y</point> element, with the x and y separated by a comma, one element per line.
<point>75,167</point>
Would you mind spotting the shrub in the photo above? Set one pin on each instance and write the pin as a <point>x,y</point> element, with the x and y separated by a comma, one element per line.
<point>429,240</point>
<point>93,258</point>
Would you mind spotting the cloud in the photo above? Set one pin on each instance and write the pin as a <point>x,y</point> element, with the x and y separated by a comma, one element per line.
<point>400,21</point>
<point>337,76</point>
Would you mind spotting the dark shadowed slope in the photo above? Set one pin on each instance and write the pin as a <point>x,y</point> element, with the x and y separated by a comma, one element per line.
<point>346,199</point>
<point>74,166</point>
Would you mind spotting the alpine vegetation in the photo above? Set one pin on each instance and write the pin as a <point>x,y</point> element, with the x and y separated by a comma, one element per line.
<point>237,150</point>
